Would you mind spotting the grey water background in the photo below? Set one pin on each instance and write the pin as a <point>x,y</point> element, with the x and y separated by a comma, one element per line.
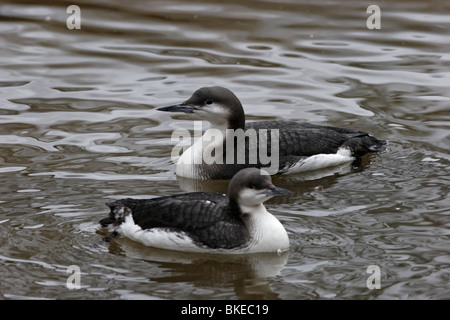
<point>78,128</point>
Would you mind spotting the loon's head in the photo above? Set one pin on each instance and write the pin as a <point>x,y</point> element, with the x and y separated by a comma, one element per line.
<point>217,105</point>
<point>250,187</point>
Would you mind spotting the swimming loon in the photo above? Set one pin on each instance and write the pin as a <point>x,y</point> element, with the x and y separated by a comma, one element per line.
<point>301,146</point>
<point>205,222</point>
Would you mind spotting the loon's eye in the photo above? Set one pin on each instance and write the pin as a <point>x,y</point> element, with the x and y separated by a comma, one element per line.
<point>209,101</point>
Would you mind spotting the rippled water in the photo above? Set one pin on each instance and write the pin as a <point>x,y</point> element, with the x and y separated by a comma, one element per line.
<point>78,127</point>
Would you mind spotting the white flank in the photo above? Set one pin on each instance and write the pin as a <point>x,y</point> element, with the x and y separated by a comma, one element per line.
<point>157,237</point>
<point>320,161</point>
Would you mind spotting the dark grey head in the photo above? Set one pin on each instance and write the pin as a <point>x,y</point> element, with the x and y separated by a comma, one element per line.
<point>217,105</point>
<point>251,186</point>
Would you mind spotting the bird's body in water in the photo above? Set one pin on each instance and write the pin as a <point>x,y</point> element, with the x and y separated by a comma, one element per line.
<point>205,222</point>
<point>290,146</point>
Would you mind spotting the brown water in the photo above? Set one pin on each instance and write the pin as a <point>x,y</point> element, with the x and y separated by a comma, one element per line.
<point>78,127</point>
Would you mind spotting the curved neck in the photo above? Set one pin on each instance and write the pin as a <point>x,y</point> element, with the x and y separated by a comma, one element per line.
<point>237,118</point>
<point>235,208</point>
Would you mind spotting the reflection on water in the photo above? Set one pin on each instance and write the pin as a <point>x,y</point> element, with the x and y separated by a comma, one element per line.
<point>245,275</point>
<point>299,182</point>
<point>79,127</point>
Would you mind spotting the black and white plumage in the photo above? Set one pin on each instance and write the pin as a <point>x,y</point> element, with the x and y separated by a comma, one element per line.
<point>302,146</point>
<point>205,222</point>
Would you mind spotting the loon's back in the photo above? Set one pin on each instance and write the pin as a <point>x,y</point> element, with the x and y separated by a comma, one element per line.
<point>306,139</point>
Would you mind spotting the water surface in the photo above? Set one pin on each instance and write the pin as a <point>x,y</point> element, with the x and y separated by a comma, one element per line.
<point>78,128</point>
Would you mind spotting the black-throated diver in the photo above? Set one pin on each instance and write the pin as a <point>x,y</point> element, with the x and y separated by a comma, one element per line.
<point>205,222</point>
<point>300,146</point>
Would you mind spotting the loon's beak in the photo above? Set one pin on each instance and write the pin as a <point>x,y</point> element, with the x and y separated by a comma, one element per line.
<point>181,107</point>
<point>275,191</point>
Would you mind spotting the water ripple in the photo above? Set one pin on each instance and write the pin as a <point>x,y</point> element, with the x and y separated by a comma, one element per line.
<point>78,127</point>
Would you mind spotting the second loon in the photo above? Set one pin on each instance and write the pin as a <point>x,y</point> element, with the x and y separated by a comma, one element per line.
<point>290,146</point>
<point>205,222</point>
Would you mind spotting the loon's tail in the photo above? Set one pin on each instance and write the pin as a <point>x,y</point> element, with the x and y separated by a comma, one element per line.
<point>119,210</point>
